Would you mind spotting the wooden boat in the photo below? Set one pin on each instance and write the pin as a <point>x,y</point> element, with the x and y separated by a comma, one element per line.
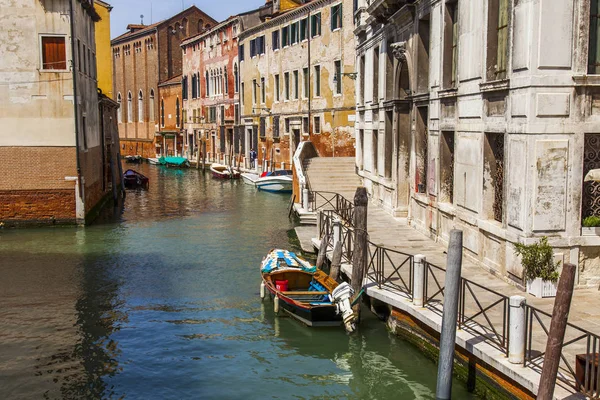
<point>277,182</point>
<point>179,162</point>
<point>133,179</point>
<point>133,159</point>
<point>249,178</point>
<point>154,161</point>
<point>304,292</point>
<point>221,171</point>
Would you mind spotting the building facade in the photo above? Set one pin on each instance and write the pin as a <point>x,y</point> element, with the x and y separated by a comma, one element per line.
<point>143,58</point>
<point>296,82</point>
<point>51,141</point>
<point>211,85</point>
<point>103,48</point>
<point>482,116</point>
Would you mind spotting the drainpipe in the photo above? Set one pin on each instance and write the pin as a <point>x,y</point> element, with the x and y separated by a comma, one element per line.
<point>79,194</point>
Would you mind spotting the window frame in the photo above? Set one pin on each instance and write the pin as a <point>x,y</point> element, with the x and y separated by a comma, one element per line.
<point>41,52</point>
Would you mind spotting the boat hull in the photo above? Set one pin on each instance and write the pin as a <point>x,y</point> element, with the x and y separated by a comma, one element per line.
<point>223,172</point>
<point>275,184</point>
<point>250,179</point>
<point>313,316</point>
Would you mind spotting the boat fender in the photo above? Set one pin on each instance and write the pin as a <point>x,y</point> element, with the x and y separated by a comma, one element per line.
<point>341,297</point>
<point>276,305</point>
<point>262,290</point>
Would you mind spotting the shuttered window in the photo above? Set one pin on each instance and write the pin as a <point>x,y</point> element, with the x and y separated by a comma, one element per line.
<point>315,25</point>
<point>54,53</point>
<point>336,17</point>
<point>502,39</point>
<point>594,50</point>
<point>454,45</point>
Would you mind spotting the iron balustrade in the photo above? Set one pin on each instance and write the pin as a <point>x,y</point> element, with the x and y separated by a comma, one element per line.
<point>482,311</point>
<point>579,347</point>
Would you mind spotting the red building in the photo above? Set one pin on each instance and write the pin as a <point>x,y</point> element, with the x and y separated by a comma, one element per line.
<point>210,90</point>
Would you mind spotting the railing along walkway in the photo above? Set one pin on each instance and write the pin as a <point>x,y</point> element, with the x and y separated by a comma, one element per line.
<point>483,308</point>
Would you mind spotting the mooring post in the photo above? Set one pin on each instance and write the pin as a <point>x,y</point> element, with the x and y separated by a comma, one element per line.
<point>449,317</point>
<point>336,261</point>
<point>323,250</point>
<point>516,329</point>
<point>337,231</point>
<point>558,326</point>
<point>418,279</point>
<point>361,242</point>
<point>319,223</point>
<point>305,199</point>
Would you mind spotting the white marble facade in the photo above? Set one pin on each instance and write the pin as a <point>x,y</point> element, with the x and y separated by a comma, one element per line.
<point>482,115</point>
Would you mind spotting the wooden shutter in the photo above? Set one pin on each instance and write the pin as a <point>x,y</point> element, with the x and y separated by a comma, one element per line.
<point>222,139</point>
<point>54,55</point>
<point>276,127</point>
<point>454,44</point>
<point>502,38</point>
<point>594,50</point>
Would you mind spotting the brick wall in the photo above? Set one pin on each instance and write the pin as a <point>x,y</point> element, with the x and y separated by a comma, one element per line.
<point>37,168</point>
<point>37,206</point>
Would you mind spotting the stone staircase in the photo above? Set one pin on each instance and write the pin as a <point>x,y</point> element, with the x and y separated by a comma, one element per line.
<point>332,174</point>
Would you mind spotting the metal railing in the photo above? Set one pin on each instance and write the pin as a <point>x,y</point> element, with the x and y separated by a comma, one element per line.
<point>382,259</point>
<point>579,358</point>
<point>332,201</point>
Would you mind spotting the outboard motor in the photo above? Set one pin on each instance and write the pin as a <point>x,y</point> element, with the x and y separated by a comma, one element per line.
<point>341,297</point>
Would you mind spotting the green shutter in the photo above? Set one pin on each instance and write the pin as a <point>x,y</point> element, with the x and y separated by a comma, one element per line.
<point>502,38</point>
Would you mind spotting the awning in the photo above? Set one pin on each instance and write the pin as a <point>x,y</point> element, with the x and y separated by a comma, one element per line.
<point>592,176</point>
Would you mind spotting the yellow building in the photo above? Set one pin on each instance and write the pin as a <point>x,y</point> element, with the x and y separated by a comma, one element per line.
<point>103,49</point>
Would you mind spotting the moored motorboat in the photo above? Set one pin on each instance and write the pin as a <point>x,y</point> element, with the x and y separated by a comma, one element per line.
<point>133,179</point>
<point>133,159</point>
<point>249,178</point>
<point>304,292</point>
<point>153,160</point>
<point>278,181</point>
<point>179,162</point>
<point>221,171</point>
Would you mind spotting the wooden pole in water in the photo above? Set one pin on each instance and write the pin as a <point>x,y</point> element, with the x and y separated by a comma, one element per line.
<point>323,250</point>
<point>336,261</point>
<point>361,242</point>
<point>556,337</point>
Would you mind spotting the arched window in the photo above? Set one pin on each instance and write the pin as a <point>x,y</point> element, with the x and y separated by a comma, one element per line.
<point>198,92</point>
<point>129,108</point>
<point>162,113</point>
<point>194,94</point>
<point>200,25</point>
<point>236,83</point>
<point>151,108</point>
<point>177,113</point>
<point>184,27</point>
<point>226,81</point>
<point>207,85</point>
<point>120,110</point>
<point>141,106</point>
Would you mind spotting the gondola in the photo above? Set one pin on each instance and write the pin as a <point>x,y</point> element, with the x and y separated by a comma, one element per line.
<point>133,179</point>
<point>304,292</point>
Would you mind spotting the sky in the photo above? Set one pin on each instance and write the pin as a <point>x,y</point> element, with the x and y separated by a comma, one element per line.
<point>128,11</point>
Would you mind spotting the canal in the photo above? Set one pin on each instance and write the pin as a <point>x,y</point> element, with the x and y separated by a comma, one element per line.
<point>162,301</point>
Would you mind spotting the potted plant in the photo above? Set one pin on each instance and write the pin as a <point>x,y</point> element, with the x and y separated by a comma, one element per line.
<point>591,226</point>
<point>540,269</point>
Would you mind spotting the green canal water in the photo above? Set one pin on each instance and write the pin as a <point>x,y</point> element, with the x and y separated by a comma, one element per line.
<point>161,302</point>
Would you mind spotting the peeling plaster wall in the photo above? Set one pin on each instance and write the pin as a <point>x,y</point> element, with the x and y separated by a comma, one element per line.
<point>543,109</point>
<point>335,111</point>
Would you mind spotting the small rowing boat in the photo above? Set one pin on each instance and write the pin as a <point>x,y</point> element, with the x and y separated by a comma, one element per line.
<point>221,171</point>
<point>133,179</point>
<point>304,292</point>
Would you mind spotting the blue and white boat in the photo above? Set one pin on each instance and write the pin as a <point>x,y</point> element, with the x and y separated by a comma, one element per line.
<point>277,182</point>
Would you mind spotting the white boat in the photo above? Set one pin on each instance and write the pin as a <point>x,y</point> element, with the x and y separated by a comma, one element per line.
<point>250,179</point>
<point>153,161</point>
<point>277,182</point>
<point>221,171</point>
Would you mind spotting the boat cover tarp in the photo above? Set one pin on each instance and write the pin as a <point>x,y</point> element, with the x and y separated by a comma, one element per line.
<point>173,160</point>
<point>292,262</point>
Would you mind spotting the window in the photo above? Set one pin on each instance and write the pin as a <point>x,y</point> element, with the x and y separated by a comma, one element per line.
<point>375,151</point>
<point>140,106</point>
<point>285,36</point>
<point>362,82</point>
<point>236,114</point>
<point>84,132</point>
<point>493,175</point>
<point>286,85</point>
<point>79,57</point>
<point>275,127</point>
<point>306,81</point>
<point>336,17</point>
<point>423,54</point>
<point>594,45</point>
<point>254,96</point>
<point>194,93</point>
<point>207,83</point>
<point>241,53</point>
<point>315,25</point>
<point>497,39</point>
<point>242,100</point>
<point>226,80</point>
<point>447,167</point>
<point>317,124</point>
<point>184,88</point>
<point>257,46</point>
<point>287,125</point>
<point>388,144</point>
<point>222,115</point>
<point>296,85</point>
<point>177,113</point>
<point>120,110</point>
<point>162,113</point>
<point>263,127</point>
<point>294,33</point>
<point>450,45</point>
<point>276,87</point>
<point>376,75</point>
<point>54,53</point>
<point>151,107</point>
<point>236,82</point>
<point>338,75</point>
<point>129,108</point>
<point>275,39</point>
<point>303,29</point>
<point>317,80</point>
<point>421,150</point>
<point>305,124</point>
<point>263,93</point>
